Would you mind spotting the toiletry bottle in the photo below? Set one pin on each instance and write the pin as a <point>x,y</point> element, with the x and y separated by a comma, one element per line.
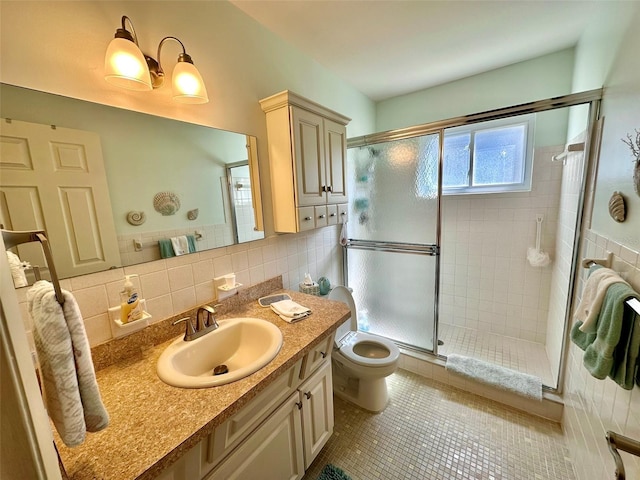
<point>129,301</point>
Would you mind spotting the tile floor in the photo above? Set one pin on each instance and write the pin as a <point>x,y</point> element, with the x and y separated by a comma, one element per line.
<point>521,355</point>
<point>433,431</point>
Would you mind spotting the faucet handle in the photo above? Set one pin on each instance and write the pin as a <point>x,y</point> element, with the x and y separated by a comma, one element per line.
<point>190,330</point>
<point>208,313</point>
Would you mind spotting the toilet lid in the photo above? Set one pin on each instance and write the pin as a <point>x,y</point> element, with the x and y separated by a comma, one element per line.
<point>342,294</point>
<point>356,345</point>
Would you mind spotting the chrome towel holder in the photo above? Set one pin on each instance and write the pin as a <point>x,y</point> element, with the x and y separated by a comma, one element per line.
<point>13,238</point>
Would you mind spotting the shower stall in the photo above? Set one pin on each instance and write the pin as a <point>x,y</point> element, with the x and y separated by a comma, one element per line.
<point>442,218</point>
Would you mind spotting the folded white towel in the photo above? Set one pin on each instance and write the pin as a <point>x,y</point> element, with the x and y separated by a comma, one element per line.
<point>180,245</point>
<point>593,295</point>
<point>290,311</point>
<point>70,388</point>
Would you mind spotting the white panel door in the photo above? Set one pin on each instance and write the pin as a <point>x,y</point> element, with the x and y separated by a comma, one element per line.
<point>54,179</point>
<point>336,161</point>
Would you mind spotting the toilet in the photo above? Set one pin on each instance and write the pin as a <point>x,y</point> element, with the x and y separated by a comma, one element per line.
<point>361,361</point>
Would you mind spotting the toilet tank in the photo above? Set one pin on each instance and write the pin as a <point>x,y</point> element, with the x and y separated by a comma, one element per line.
<point>342,294</point>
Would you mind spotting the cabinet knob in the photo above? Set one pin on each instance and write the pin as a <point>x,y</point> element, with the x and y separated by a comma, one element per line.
<point>307,218</point>
<point>324,354</point>
<point>324,188</point>
<point>308,395</point>
<point>329,189</point>
<point>322,216</point>
<point>299,404</point>
<point>332,215</point>
<point>343,213</point>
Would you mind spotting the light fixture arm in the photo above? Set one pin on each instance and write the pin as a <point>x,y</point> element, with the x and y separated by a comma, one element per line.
<point>155,66</point>
<point>126,34</point>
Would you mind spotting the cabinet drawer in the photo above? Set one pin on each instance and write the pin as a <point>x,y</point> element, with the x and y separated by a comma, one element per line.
<point>332,214</point>
<point>343,209</point>
<point>321,216</point>
<point>230,433</point>
<point>316,356</point>
<point>306,218</point>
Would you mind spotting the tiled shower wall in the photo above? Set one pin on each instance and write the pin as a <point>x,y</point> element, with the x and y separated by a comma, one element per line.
<point>594,406</point>
<point>176,284</point>
<point>487,282</point>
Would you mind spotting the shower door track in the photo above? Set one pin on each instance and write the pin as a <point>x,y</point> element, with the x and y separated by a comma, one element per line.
<point>396,247</point>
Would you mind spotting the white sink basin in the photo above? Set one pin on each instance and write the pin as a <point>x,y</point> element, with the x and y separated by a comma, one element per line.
<point>244,345</point>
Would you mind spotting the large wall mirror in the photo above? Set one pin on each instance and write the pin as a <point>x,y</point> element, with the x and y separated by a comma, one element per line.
<point>114,187</point>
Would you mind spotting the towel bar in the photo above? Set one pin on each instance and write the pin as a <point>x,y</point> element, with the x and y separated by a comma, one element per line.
<point>605,262</point>
<point>14,238</point>
<point>626,444</point>
<point>138,245</point>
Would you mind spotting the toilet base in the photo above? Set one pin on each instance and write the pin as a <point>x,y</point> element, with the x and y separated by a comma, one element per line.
<point>369,394</point>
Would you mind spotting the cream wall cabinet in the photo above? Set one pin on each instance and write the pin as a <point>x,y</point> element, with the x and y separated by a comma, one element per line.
<point>307,155</point>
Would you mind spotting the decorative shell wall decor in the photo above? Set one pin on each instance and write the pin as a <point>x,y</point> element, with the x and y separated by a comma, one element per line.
<point>634,145</point>
<point>136,218</point>
<point>617,208</point>
<point>193,214</point>
<point>166,203</point>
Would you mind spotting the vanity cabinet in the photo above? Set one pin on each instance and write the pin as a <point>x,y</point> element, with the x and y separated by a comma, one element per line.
<point>276,435</point>
<point>307,155</point>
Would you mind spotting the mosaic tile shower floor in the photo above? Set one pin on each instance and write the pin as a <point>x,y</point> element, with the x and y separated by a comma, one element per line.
<point>433,431</point>
<point>520,355</point>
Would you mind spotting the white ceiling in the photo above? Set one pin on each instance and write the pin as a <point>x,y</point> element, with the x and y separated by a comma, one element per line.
<point>387,48</point>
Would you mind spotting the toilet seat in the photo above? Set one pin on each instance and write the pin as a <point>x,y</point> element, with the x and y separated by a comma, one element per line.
<point>354,339</point>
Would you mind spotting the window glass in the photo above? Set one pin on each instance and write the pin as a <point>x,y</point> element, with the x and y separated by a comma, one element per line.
<point>499,156</point>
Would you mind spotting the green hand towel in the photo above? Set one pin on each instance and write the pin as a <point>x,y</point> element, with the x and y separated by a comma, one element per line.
<point>191,241</point>
<point>166,249</point>
<point>626,353</point>
<point>599,355</point>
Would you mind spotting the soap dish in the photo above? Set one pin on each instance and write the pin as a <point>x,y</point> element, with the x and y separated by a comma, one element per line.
<point>227,288</point>
<point>119,329</point>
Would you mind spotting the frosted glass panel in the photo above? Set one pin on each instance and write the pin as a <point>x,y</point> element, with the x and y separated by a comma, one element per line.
<point>394,189</point>
<point>394,294</point>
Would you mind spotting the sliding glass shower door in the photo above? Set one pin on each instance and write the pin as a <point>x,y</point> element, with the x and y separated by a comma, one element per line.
<point>392,253</point>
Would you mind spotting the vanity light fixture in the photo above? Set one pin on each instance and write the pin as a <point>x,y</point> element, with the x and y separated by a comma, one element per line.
<point>126,66</point>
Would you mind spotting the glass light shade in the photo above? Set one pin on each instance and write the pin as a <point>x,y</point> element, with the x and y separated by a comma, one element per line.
<point>125,66</point>
<point>188,86</point>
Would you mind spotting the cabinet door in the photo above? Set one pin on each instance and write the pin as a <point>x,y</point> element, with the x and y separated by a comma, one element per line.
<point>335,142</point>
<point>308,146</point>
<point>272,452</point>
<point>317,412</point>
<point>186,468</point>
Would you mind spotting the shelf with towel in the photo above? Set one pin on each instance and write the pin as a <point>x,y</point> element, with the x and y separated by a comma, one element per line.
<point>139,245</point>
<point>13,238</point>
<point>616,441</point>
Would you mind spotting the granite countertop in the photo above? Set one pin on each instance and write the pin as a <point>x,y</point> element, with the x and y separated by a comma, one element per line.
<point>153,424</point>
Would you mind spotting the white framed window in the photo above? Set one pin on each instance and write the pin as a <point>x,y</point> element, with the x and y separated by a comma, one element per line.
<point>489,157</point>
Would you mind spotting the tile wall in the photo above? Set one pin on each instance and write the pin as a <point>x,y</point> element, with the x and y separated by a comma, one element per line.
<point>486,281</point>
<point>594,406</point>
<point>177,284</point>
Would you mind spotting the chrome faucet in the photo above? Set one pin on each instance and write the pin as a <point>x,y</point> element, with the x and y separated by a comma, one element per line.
<point>205,322</point>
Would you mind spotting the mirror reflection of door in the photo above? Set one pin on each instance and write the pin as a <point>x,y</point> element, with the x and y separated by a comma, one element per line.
<point>53,179</point>
<point>241,203</point>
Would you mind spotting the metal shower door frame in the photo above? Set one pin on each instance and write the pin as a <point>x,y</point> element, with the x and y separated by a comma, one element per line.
<point>589,97</point>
